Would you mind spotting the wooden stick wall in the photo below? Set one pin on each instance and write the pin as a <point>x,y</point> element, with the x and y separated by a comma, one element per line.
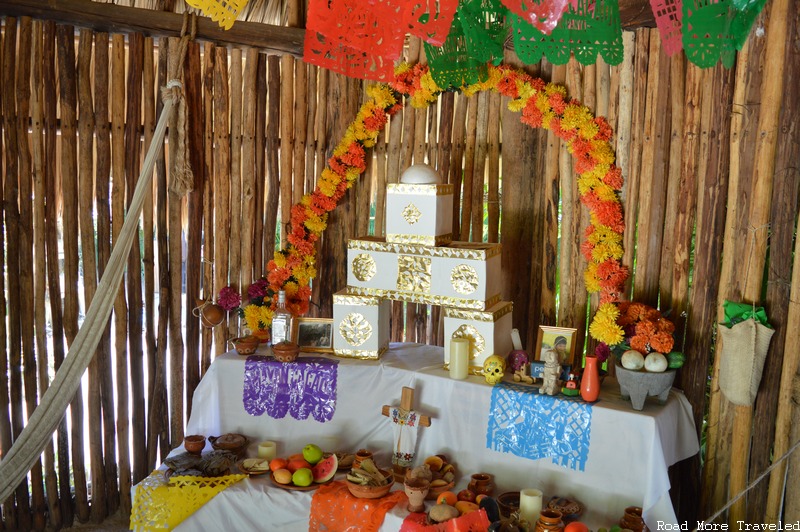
<point>709,158</point>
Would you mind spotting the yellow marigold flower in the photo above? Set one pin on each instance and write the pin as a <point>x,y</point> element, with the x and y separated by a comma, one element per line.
<point>525,90</point>
<point>588,129</point>
<point>382,95</point>
<point>255,317</point>
<point>587,182</point>
<point>427,82</point>
<point>602,152</point>
<point>402,68</point>
<point>590,278</point>
<point>316,224</point>
<point>605,192</point>
<point>542,103</point>
<point>352,175</point>
<point>280,260</point>
<point>576,116</point>
<point>604,326</point>
<point>551,89</point>
<point>515,106</point>
<point>607,250</point>
<point>598,172</point>
<point>603,233</point>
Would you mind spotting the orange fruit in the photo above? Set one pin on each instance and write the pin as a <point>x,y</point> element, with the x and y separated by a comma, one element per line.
<point>447,497</point>
<point>466,507</point>
<point>576,526</point>
<point>278,463</point>
<point>297,463</point>
<point>298,456</point>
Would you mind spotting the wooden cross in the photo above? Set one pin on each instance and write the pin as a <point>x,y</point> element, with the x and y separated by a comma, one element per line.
<point>406,403</point>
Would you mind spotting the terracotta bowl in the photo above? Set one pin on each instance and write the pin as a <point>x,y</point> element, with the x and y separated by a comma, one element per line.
<point>285,351</point>
<point>195,443</point>
<point>435,491</point>
<point>508,503</point>
<point>245,345</point>
<point>372,492</point>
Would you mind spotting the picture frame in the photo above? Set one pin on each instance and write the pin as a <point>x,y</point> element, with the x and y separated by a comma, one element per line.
<point>547,338</point>
<point>313,335</point>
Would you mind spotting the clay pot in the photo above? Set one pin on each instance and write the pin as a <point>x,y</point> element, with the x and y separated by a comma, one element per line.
<point>361,455</point>
<point>590,381</point>
<point>211,315</point>
<point>481,483</point>
<point>416,489</point>
<point>632,520</point>
<point>262,335</point>
<point>508,503</point>
<point>245,345</point>
<point>549,521</point>
<point>194,444</point>
<point>285,351</point>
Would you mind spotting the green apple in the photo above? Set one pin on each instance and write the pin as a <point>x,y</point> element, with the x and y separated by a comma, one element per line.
<point>303,477</point>
<point>312,453</point>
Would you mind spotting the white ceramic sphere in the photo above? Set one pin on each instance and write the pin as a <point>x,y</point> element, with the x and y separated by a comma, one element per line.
<point>632,360</point>
<point>420,174</point>
<point>656,363</point>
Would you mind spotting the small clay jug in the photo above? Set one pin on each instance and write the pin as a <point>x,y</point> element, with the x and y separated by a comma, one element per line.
<point>210,314</point>
<point>549,521</point>
<point>361,455</point>
<point>481,483</point>
<point>416,489</point>
<point>632,520</point>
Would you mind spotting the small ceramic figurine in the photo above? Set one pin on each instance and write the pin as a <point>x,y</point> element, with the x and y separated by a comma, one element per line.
<point>552,369</point>
<point>523,374</point>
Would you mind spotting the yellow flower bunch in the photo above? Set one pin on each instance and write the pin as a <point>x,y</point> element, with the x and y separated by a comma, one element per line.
<point>257,317</point>
<point>604,327</point>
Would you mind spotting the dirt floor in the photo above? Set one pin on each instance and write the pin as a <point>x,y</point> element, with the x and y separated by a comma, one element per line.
<point>114,523</point>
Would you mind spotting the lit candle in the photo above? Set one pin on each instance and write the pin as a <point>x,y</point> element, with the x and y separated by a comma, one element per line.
<point>459,358</point>
<point>268,450</point>
<point>530,505</point>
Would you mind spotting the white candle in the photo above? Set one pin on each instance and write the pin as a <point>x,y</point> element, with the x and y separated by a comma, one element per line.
<point>459,358</point>
<point>268,450</point>
<point>530,505</point>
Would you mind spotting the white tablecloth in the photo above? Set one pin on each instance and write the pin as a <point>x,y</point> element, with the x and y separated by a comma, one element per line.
<point>627,463</point>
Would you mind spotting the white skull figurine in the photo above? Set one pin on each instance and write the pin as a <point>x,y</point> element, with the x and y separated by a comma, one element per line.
<point>493,369</point>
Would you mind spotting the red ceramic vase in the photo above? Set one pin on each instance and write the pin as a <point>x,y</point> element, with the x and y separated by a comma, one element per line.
<point>590,382</point>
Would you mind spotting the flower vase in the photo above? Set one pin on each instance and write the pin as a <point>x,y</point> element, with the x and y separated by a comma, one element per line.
<point>262,335</point>
<point>590,381</point>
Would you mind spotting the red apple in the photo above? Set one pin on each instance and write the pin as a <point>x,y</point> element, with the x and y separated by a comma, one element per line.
<point>466,495</point>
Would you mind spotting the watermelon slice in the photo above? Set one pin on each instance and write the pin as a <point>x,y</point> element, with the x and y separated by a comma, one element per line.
<point>325,469</point>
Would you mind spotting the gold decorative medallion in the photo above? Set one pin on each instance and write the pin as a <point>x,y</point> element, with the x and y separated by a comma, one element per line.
<point>476,342</point>
<point>464,279</point>
<point>414,274</point>
<point>364,267</point>
<point>355,328</point>
<point>411,214</point>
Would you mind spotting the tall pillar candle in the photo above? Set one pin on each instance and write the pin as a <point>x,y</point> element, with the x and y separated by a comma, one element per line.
<point>530,505</point>
<point>267,450</point>
<point>459,358</point>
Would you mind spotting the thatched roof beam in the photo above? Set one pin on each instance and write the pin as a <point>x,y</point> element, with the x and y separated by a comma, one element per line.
<point>121,19</point>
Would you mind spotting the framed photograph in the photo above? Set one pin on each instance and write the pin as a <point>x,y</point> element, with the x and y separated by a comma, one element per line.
<point>559,339</point>
<point>314,334</point>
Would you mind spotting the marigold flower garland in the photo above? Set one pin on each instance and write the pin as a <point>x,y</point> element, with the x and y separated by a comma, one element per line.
<point>541,105</point>
<point>546,105</point>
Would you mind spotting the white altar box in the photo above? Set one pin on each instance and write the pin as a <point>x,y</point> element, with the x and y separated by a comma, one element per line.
<point>462,274</point>
<point>419,213</point>
<point>489,333</point>
<point>360,325</point>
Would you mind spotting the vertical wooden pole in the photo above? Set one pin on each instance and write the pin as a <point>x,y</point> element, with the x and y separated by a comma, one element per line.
<point>467,200</point>
<point>39,261</point>
<point>309,147</point>
<point>235,205</point>
<point>8,48</point>
<point>193,88</point>
<point>299,113</point>
<point>120,305</point>
<point>102,201</point>
<point>208,193</point>
<point>86,222</point>
<point>222,152</point>
<point>260,163</point>
<point>286,141</point>
<point>493,178</point>
<point>274,121</point>
<point>149,89</point>
<point>249,170</point>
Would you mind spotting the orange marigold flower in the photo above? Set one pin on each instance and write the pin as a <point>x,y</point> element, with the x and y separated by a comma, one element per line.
<point>662,342</point>
<point>531,114</point>
<point>664,325</point>
<point>376,121</point>
<point>337,165</point>
<point>609,213</point>
<point>636,311</point>
<point>651,314</point>
<point>613,178</point>
<point>507,86</point>
<point>640,343</point>
<point>645,328</point>
<point>557,103</point>
<point>610,296</point>
<point>584,163</point>
<point>586,249</point>
<point>604,129</point>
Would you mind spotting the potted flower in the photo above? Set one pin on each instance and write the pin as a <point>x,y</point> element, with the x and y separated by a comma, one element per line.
<point>641,337</point>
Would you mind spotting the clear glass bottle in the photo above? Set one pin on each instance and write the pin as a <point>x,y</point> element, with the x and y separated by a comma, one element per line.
<point>281,321</point>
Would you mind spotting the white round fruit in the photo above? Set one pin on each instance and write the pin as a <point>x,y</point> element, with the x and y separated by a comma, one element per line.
<point>656,363</point>
<point>632,359</point>
<point>420,174</point>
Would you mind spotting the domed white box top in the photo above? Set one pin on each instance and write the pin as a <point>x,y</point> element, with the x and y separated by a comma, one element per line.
<point>419,209</point>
